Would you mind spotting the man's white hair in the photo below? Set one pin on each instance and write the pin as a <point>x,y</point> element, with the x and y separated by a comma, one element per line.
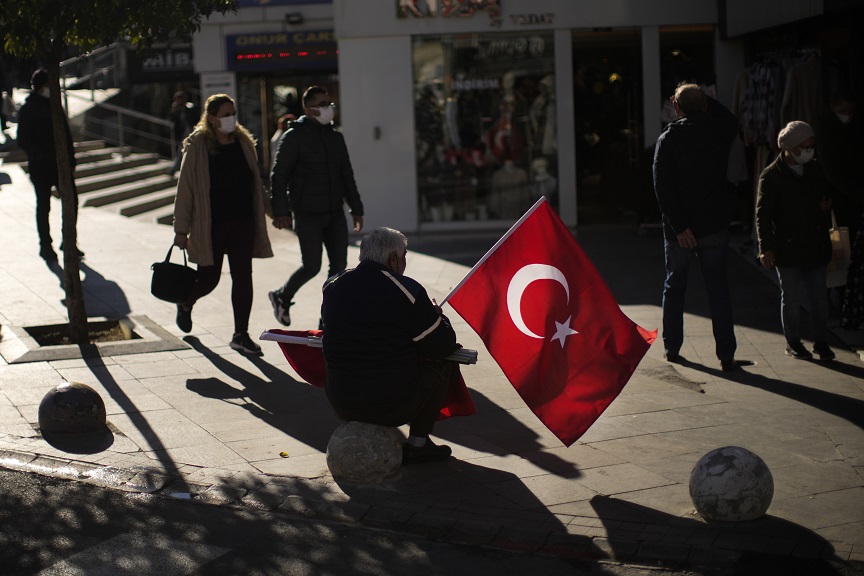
<point>380,243</point>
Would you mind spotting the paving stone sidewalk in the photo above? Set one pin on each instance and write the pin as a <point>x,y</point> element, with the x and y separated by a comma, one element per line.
<point>203,421</point>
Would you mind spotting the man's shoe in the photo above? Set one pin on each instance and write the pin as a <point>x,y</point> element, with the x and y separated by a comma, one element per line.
<point>673,358</point>
<point>798,351</point>
<point>732,365</point>
<point>824,352</point>
<point>47,253</point>
<point>429,452</point>
<point>280,310</point>
<point>184,318</point>
<point>242,343</point>
<point>79,253</point>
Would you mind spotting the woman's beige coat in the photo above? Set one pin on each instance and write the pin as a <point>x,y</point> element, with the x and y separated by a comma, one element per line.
<point>192,205</point>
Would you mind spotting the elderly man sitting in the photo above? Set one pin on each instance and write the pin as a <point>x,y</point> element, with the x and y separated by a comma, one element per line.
<point>384,344</point>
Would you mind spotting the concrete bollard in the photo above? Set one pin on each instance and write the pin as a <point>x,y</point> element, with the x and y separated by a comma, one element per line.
<point>731,484</point>
<point>364,453</point>
<point>70,408</point>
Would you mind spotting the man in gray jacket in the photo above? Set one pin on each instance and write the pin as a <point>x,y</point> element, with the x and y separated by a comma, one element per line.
<point>311,179</point>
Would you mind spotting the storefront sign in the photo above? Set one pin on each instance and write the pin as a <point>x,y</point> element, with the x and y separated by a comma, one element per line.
<point>447,8</point>
<point>265,3</point>
<point>164,63</point>
<point>306,49</point>
<point>529,19</point>
<point>523,46</point>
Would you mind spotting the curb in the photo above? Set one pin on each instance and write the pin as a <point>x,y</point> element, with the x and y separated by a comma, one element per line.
<point>314,501</point>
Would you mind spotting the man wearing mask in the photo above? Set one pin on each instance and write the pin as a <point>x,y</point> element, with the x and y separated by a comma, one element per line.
<point>311,180</point>
<point>792,222</point>
<point>36,138</point>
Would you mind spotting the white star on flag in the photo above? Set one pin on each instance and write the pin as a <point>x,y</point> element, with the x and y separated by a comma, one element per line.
<point>562,331</point>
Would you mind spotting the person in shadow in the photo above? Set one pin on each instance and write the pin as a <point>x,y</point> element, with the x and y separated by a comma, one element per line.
<point>793,206</point>
<point>384,345</point>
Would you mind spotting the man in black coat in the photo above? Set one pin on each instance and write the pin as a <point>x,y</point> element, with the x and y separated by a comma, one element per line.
<point>384,343</point>
<point>690,163</point>
<point>311,180</point>
<point>36,138</point>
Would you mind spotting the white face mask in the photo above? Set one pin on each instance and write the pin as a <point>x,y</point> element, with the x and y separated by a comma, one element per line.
<point>325,115</point>
<point>844,118</point>
<point>227,124</point>
<point>45,92</point>
<point>805,156</point>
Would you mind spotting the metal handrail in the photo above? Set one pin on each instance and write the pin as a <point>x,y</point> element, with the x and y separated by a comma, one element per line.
<point>90,57</point>
<point>123,129</point>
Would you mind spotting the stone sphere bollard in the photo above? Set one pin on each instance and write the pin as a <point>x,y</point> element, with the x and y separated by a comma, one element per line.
<point>71,407</point>
<point>365,453</point>
<point>731,484</point>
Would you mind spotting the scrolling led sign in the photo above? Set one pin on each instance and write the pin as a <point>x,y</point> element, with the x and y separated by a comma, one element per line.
<point>307,49</point>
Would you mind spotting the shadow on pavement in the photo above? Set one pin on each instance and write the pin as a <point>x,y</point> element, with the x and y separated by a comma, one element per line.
<point>277,399</point>
<point>746,539</point>
<point>485,432</point>
<point>160,452</point>
<point>850,409</point>
<point>103,297</point>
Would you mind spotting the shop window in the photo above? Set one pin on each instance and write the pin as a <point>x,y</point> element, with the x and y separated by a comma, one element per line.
<point>485,125</point>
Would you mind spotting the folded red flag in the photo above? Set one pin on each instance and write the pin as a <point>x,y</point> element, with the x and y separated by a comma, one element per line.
<point>308,362</point>
<point>550,322</point>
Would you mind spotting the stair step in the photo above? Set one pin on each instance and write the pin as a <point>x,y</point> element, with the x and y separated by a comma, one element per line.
<point>163,215</point>
<point>101,181</point>
<point>129,190</point>
<point>145,203</point>
<point>88,145</point>
<point>101,154</point>
<point>114,164</point>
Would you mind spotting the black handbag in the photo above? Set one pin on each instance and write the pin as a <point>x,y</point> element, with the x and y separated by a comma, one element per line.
<point>172,282</point>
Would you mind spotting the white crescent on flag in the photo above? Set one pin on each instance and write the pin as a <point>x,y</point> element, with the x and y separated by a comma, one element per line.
<point>520,281</point>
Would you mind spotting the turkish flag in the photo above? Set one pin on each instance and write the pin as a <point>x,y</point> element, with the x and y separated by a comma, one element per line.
<point>551,323</point>
<point>308,362</point>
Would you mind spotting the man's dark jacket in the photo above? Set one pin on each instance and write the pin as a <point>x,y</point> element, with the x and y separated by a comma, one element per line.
<point>788,219</point>
<point>690,163</point>
<point>377,326</point>
<point>312,171</point>
<point>36,138</point>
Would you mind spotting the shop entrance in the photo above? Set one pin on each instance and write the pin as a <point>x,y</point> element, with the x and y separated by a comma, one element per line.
<point>610,158</point>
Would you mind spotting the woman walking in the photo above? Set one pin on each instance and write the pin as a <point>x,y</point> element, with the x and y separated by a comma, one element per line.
<point>219,211</point>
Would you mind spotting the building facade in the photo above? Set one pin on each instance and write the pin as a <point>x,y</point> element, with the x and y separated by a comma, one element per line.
<point>460,113</point>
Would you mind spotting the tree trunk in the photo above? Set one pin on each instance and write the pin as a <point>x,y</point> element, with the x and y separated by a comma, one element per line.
<point>78,331</point>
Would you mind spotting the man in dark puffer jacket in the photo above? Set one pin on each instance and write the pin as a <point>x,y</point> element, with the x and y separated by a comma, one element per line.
<point>384,343</point>
<point>311,179</point>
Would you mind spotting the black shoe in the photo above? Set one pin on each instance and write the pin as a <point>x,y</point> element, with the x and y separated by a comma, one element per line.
<point>242,343</point>
<point>673,358</point>
<point>732,365</point>
<point>47,253</point>
<point>429,452</point>
<point>184,318</point>
<point>798,351</point>
<point>824,352</point>
<point>280,309</point>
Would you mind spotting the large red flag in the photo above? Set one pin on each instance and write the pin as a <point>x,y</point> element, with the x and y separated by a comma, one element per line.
<point>551,323</point>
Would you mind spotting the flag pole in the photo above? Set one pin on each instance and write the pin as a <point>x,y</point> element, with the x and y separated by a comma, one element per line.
<point>495,247</point>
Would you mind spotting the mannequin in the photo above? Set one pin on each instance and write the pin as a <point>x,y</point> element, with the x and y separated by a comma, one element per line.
<point>542,182</point>
<point>510,195</point>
